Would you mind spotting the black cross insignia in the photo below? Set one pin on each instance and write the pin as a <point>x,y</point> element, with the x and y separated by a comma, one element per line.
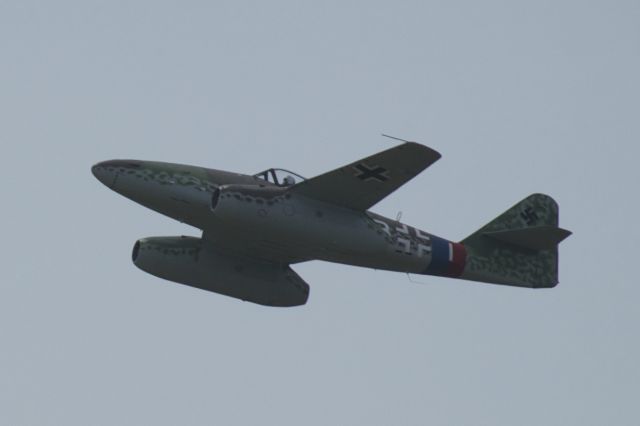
<point>529,216</point>
<point>367,173</point>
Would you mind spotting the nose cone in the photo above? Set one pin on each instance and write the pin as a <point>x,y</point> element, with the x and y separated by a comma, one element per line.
<point>107,171</point>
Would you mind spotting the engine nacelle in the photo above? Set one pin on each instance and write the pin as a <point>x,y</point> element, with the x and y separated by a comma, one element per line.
<point>250,206</point>
<point>171,258</point>
<point>191,261</point>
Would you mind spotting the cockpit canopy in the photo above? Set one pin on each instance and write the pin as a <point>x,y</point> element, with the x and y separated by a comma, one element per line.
<point>279,177</point>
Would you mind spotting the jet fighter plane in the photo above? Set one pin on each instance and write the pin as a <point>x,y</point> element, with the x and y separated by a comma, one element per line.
<point>255,226</point>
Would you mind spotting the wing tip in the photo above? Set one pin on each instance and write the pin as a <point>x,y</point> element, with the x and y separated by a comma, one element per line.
<point>425,150</point>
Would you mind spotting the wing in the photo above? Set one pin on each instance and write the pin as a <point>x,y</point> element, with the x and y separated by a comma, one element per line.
<point>362,184</point>
<point>256,281</point>
<point>253,280</point>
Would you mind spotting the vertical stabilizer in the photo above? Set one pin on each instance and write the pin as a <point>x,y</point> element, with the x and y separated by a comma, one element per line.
<point>519,247</point>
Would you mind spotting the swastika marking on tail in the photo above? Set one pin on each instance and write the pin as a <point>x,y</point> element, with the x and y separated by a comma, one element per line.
<point>529,216</point>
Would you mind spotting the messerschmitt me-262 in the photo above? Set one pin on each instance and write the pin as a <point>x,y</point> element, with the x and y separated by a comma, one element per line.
<point>256,226</point>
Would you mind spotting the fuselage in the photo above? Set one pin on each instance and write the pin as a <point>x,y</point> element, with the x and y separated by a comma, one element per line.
<point>245,214</point>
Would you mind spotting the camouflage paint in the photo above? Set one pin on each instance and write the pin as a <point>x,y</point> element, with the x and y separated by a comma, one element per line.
<point>501,263</point>
<point>255,219</point>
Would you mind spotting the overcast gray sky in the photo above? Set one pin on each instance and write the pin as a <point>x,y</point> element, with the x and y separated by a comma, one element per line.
<point>519,97</point>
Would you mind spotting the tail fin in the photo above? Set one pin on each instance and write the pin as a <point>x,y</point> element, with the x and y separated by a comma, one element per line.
<point>519,247</point>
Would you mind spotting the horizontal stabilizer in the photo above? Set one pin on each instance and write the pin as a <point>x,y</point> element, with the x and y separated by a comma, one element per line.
<point>534,238</point>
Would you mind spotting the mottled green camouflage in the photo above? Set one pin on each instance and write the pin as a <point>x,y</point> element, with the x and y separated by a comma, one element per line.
<point>162,173</point>
<point>188,247</point>
<point>254,227</point>
<point>490,260</point>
